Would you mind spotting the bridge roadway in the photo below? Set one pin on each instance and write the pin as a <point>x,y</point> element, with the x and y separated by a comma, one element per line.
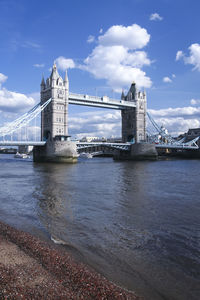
<point>126,146</point>
<point>103,102</point>
<point>83,145</point>
<point>122,146</point>
<point>22,143</point>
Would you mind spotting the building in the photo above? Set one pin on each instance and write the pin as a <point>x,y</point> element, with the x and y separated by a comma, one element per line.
<point>192,134</point>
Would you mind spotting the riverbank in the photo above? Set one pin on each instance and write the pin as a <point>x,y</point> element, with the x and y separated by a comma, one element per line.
<point>32,269</point>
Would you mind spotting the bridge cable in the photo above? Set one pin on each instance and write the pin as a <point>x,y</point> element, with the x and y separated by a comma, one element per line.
<point>24,119</point>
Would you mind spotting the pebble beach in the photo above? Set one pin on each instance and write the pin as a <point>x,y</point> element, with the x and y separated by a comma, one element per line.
<point>33,269</point>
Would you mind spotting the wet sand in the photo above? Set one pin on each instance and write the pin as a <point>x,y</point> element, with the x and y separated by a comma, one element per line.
<point>32,269</point>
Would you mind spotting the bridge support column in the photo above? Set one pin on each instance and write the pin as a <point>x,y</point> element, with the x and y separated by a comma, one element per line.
<point>54,122</point>
<point>134,119</point>
<point>56,151</point>
<point>138,151</point>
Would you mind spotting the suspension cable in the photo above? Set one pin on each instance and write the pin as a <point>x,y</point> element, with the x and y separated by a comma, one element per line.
<point>24,119</point>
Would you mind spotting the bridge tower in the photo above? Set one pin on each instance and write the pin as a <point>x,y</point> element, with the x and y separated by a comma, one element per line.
<point>134,119</point>
<point>54,118</point>
<point>54,122</point>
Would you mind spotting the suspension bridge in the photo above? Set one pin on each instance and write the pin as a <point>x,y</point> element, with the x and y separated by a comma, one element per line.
<point>166,141</point>
<point>53,111</point>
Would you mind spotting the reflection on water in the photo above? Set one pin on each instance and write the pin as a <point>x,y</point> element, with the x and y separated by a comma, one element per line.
<point>135,222</point>
<point>54,205</point>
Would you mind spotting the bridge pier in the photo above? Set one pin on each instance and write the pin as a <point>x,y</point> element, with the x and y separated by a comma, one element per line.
<point>56,151</point>
<point>138,151</point>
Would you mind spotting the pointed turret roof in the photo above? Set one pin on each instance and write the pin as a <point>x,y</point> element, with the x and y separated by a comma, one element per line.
<point>42,82</point>
<point>122,95</point>
<point>54,73</point>
<point>66,77</point>
<point>133,88</point>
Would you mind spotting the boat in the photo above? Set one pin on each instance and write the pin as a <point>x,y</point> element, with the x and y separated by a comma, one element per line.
<point>85,155</point>
<point>21,155</point>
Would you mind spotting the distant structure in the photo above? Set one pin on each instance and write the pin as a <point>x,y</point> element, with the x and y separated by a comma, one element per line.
<point>192,134</point>
<point>134,119</point>
<point>54,118</point>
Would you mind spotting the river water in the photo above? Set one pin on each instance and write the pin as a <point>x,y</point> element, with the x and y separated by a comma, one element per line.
<point>137,223</point>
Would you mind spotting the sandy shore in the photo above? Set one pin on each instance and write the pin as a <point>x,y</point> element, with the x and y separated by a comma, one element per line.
<point>33,269</point>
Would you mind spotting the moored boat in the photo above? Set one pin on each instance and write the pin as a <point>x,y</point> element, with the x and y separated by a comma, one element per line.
<point>21,155</point>
<point>85,155</point>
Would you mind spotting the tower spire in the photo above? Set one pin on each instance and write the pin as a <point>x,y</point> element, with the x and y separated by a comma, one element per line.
<point>42,82</point>
<point>66,77</point>
<point>122,95</point>
<point>54,65</point>
<point>66,81</point>
<point>54,73</point>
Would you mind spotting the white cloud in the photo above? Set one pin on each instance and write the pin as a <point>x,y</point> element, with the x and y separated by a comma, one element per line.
<point>177,120</point>
<point>116,57</point>
<point>179,125</point>
<point>3,78</point>
<point>118,66</point>
<point>155,17</point>
<point>176,112</point>
<point>30,44</point>
<point>99,123</point>
<point>35,96</point>
<point>132,37</point>
<point>194,102</point>
<point>193,58</point>
<point>102,123</point>
<point>90,39</point>
<point>116,60</point>
<point>33,132</point>
<point>14,102</point>
<point>179,55</point>
<point>64,63</point>
<point>39,65</point>
<point>167,79</point>
<point>101,30</point>
<point>137,59</point>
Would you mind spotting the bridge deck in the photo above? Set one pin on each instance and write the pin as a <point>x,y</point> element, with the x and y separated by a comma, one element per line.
<point>123,146</point>
<point>22,143</point>
<point>103,102</point>
<point>173,146</point>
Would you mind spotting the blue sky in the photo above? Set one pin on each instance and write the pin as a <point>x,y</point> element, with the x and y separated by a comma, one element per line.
<point>105,45</point>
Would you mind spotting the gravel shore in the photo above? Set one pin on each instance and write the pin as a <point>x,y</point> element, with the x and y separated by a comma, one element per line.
<point>32,269</point>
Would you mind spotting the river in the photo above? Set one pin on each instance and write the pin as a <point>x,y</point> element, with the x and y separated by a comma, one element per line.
<point>137,223</point>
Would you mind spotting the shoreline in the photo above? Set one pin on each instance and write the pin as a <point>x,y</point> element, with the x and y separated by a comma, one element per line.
<point>31,268</point>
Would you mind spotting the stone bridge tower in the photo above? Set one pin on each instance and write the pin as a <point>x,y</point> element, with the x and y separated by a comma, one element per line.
<point>54,122</point>
<point>134,119</point>
<point>54,118</point>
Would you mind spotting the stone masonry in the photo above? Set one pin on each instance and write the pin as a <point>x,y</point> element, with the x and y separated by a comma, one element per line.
<point>134,119</point>
<point>54,122</point>
<point>54,118</point>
